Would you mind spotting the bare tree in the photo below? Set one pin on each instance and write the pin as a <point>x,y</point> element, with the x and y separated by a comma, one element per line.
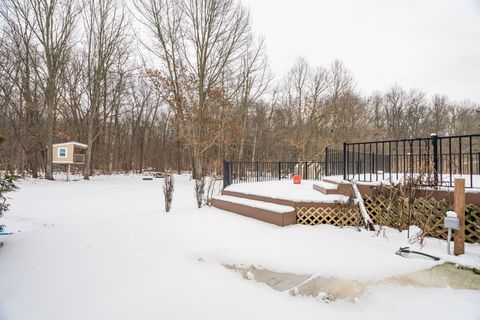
<point>199,42</point>
<point>19,86</point>
<point>51,23</point>
<point>105,25</point>
<point>415,115</point>
<point>439,114</point>
<point>252,82</point>
<point>197,93</point>
<point>394,108</point>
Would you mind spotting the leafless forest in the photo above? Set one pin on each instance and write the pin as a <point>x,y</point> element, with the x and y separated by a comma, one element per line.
<point>182,85</point>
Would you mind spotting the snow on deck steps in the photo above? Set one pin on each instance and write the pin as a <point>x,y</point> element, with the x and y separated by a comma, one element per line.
<point>257,204</point>
<point>265,211</point>
<point>283,192</point>
<point>326,187</point>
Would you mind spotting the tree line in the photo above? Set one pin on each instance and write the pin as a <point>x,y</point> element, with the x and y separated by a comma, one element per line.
<point>181,85</point>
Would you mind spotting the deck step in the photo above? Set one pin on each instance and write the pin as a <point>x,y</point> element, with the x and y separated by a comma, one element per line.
<point>283,202</point>
<point>279,215</point>
<point>326,187</point>
<point>333,180</point>
<point>344,187</point>
<point>257,204</point>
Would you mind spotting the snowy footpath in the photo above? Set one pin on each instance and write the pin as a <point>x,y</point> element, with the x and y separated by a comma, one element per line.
<point>105,249</point>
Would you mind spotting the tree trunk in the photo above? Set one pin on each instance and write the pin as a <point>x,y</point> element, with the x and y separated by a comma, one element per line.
<point>50,102</point>
<point>88,155</point>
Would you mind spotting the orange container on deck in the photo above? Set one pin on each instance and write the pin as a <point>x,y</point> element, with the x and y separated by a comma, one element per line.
<point>297,180</point>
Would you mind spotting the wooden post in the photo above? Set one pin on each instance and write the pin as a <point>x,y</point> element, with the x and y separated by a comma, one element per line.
<point>459,204</point>
<point>68,172</point>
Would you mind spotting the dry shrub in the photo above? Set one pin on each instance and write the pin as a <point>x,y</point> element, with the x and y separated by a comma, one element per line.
<point>399,206</point>
<point>345,211</point>
<point>213,189</point>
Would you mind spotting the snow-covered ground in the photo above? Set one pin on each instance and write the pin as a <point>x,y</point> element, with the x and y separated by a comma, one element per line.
<point>105,249</point>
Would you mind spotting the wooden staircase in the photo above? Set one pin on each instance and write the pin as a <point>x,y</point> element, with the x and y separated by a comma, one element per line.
<point>270,212</point>
<point>281,212</point>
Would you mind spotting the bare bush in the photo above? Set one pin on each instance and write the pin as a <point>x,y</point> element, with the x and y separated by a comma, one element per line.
<point>406,204</point>
<point>200,191</point>
<point>212,190</point>
<point>168,189</point>
<point>346,209</point>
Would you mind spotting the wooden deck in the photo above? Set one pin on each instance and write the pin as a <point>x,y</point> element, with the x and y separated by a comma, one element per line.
<point>321,203</point>
<point>267,195</point>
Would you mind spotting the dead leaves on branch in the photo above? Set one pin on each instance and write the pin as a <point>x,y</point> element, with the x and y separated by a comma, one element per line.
<point>200,125</point>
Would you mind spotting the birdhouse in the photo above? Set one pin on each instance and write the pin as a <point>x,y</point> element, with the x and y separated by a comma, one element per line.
<point>69,153</point>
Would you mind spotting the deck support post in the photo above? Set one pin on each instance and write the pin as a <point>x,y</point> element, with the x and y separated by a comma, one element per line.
<point>459,205</point>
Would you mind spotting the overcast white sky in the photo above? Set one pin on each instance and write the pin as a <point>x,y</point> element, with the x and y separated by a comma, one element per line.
<point>433,45</point>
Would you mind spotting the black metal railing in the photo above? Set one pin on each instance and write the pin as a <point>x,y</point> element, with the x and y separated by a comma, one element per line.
<point>333,162</point>
<point>241,171</point>
<point>433,161</point>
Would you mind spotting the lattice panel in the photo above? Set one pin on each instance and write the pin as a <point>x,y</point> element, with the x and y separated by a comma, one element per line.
<point>472,223</point>
<point>426,212</point>
<point>338,216</point>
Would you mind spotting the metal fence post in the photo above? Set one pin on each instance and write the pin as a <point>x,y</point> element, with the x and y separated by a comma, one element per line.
<point>345,159</point>
<point>306,170</point>
<point>435,157</point>
<point>373,156</point>
<point>412,163</point>
<point>478,162</point>
<point>226,174</point>
<point>470,155</point>
<point>256,168</point>
<point>279,170</point>
<point>326,162</point>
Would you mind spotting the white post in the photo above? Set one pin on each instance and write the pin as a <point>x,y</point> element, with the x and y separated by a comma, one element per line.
<point>450,221</point>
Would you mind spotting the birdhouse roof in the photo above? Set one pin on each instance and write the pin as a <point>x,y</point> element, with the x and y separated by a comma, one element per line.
<point>76,144</point>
